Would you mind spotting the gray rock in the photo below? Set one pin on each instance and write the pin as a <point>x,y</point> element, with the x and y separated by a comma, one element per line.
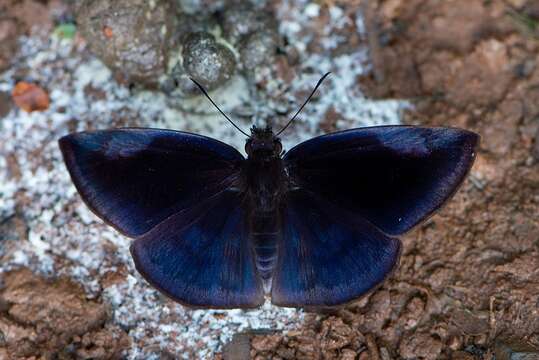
<point>129,36</point>
<point>207,61</point>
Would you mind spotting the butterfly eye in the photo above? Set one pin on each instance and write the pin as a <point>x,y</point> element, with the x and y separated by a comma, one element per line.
<point>278,146</point>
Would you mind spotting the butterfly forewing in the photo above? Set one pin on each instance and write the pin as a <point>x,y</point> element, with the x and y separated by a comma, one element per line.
<point>136,178</point>
<point>392,176</point>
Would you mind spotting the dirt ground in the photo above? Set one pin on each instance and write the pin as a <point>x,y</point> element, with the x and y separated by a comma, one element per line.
<point>468,283</point>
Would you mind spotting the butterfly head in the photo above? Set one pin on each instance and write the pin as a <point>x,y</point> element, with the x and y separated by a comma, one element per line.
<point>263,143</point>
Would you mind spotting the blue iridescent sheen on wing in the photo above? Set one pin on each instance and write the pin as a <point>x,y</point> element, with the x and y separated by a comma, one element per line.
<point>327,255</point>
<point>393,176</point>
<point>136,178</point>
<point>202,257</point>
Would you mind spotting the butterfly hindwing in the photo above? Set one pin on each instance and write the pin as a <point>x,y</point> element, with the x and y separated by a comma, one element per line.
<point>136,178</point>
<point>327,255</point>
<point>393,176</point>
<point>202,256</point>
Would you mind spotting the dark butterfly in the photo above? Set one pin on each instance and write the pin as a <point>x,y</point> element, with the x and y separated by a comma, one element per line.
<point>311,227</point>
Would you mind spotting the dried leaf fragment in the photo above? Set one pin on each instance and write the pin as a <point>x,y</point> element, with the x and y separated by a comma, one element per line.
<point>30,97</point>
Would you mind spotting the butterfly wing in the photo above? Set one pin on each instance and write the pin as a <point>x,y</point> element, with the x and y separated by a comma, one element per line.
<point>327,255</point>
<point>392,176</point>
<point>202,257</point>
<point>136,178</point>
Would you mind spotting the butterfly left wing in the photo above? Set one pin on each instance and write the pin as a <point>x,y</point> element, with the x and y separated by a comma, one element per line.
<point>328,256</point>
<point>392,176</point>
<point>135,178</point>
<point>202,257</point>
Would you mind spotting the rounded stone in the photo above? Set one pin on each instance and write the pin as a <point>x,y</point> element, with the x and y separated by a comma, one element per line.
<point>207,61</point>
<point>130,36</point>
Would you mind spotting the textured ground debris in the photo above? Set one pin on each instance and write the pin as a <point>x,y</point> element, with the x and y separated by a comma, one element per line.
<point>53,318</point>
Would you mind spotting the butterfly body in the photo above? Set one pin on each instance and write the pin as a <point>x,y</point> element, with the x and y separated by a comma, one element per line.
<point>265,184</point>
<point>314,226</point>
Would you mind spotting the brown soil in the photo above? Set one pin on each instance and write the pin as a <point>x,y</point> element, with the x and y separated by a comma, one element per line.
<point>468,283</point>
<point>54,320</point>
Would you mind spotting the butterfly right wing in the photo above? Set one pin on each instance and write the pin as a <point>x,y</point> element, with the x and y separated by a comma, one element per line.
<point>135,178</point>
<point>393,176</point>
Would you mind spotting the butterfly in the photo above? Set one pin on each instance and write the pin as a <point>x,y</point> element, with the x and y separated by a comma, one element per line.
<point>315,226</point>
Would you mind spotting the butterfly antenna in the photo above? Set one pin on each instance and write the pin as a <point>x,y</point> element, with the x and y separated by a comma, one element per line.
<point>305,103</point>
<point>217,107</point>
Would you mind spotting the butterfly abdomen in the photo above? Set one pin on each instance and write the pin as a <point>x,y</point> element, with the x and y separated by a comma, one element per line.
<point>265,231</point>
<point>265,179</point>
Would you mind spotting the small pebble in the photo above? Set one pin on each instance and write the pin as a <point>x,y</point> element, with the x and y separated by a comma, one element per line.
<point>258,48</point>
<point>207,61</point>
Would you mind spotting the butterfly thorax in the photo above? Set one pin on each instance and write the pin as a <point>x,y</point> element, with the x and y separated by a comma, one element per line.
<point>264,174</point>
<point>265,180</point>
